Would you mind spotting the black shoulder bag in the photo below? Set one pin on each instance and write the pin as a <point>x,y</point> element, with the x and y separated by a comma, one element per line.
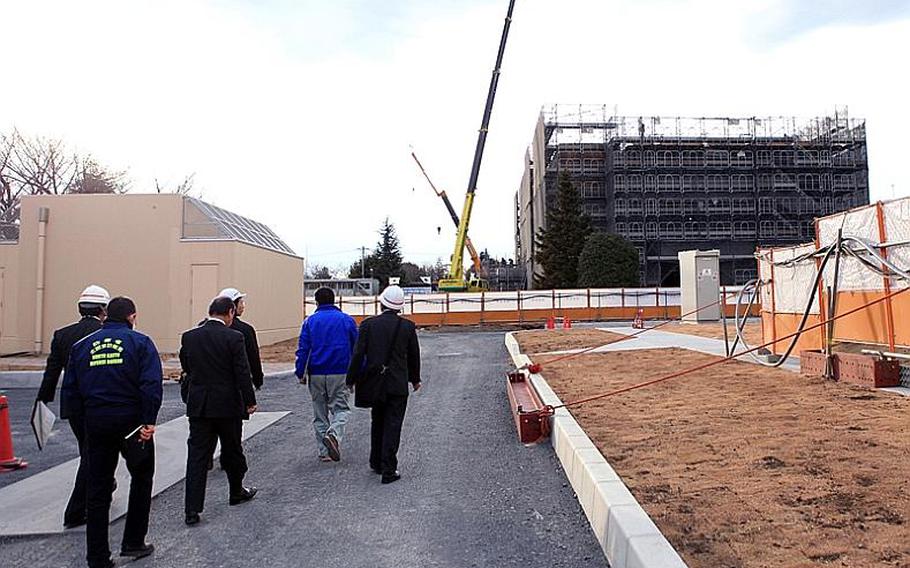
<point>370,388</point>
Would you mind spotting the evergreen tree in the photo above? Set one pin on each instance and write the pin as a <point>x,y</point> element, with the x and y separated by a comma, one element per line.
<point>560,243</point>
<point>608,261</point>
<point>387,254</point>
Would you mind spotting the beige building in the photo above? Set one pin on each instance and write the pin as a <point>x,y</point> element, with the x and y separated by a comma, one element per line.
<point>170,253</point>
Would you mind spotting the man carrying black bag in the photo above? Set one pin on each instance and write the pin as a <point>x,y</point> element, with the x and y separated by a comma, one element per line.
<point>386,358</point>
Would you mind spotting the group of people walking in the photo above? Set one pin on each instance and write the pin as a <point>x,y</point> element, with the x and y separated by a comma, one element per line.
<point>112,393</point>
<point>377,363</point>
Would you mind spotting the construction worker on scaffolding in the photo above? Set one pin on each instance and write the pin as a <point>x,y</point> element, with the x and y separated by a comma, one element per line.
<point>92,304</point>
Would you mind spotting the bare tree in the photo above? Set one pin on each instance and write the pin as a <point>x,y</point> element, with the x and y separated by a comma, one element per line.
<point>46,166</point>
<point>185,187</point>
<point>92,177</point>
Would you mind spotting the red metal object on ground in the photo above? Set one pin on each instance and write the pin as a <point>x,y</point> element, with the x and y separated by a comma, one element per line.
<point>812,363</point>
<point>868,370</point>
<point>551,322</point>
<point>8,462</point>
<point>531,416</point>
<point>864,370</point>
<point>566,323</point>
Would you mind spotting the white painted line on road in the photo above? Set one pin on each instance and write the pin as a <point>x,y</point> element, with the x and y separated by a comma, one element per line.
<point>34,506</point>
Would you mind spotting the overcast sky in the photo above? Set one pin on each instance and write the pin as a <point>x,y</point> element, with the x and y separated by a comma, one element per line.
<point>300,113</point>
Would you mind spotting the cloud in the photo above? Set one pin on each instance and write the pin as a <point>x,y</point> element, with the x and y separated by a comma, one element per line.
<point>784,20</point>
<point>302,114</point>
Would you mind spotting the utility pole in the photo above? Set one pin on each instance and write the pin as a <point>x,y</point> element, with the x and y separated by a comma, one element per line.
<point>363,270</point>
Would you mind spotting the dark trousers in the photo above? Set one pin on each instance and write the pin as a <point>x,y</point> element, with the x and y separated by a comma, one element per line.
<point>204,433</point>
<point>385,433</point>
<point>105,443</point>
<point>75,508</point>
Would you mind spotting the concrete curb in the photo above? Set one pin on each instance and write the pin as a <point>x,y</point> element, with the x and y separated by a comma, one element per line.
<point>627,535</point>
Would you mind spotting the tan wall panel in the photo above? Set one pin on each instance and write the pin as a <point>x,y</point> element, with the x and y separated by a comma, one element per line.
<point>131,245</point>
<point>119,242</point>
<point>274,284</point>
<point>11,338</point>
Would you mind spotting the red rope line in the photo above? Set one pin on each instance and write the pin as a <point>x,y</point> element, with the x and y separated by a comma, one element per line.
<point>626,337</point>
<point>725,359</point>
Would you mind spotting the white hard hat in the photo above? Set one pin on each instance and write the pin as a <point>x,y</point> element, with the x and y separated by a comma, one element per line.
<point>94,295</point>
<point>392,297</point>
<point>233,293</point>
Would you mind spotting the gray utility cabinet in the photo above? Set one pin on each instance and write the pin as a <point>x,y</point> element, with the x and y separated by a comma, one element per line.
<point>699,280</point>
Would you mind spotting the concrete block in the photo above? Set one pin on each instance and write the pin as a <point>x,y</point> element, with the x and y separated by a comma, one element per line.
<point>576,473</point>
<point>625,522</point>
<point>567,437</point>
<point>593,474</point>
<point>547,394</point>
<point>606,496</point>
<point>652,552</point>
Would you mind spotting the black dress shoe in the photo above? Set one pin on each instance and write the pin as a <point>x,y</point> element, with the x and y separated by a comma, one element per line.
<point>192,519</point>
<point>136,552</point>
<point>73,523</point>
<point>390,477</point>
<point>245,495</point>
<point>108,564</point>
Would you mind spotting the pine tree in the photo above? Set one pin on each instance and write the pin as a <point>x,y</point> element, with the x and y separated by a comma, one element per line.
<point>608,261</point>
<point>560,243</point>
<point>387,261</point>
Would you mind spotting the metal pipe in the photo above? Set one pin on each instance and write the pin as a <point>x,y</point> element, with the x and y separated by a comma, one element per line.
<point>890,354</point>
<point>43,216</point>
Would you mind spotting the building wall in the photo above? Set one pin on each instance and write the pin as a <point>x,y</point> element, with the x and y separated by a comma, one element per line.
<point>131,245</point>
<point>673,192</point>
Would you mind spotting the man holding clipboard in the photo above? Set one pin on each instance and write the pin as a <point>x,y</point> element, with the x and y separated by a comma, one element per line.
<point>114,379</point>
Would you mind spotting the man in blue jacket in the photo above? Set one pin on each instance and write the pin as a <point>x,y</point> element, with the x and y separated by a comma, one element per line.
<point>327,340</point>
<point>113,379</point>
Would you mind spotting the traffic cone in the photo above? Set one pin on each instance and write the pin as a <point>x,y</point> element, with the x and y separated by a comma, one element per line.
<point>566,323</point>
<point>551,322</point>
<point>8,462</point>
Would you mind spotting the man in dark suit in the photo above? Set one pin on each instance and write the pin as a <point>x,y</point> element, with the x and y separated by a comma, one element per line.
<point>92,305</point>
<point>386,358</point>
<point>249,335</point>
<point>220,396</point>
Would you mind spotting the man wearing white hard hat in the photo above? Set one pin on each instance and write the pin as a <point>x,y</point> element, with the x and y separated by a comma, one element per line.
<point>386,358</point>
<point>92,304</point>
<point>249,334</point>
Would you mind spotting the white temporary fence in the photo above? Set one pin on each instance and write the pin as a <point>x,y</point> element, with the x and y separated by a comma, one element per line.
<point>518,301</point>
<point>886,226</point>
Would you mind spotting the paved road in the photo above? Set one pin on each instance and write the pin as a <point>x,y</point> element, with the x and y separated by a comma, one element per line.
<point>471,496</point>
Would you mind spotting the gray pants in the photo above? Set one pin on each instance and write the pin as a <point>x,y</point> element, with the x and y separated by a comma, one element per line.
<point>331,407</point>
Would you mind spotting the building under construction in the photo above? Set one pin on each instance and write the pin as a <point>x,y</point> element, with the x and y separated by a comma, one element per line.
<point>672,184</point>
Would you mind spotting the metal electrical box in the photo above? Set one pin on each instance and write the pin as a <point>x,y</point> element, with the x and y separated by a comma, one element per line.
<point>699,281</point>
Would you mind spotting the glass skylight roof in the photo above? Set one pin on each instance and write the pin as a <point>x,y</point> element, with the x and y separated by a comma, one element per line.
<point>203,220</point>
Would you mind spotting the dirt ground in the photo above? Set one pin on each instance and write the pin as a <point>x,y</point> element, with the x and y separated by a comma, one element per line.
<point>752,331</point>
<point>742,466</point>
<point>546,340</point>
<point>281,352</point>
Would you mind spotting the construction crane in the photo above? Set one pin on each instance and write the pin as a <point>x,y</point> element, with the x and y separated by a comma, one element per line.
<point>477,280</point>
<point>456,280</point>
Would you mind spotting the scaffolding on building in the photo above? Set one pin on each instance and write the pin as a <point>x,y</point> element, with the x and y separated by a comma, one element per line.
<point>669,183</point>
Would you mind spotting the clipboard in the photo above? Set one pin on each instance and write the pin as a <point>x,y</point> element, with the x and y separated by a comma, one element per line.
<point>42,423</point>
